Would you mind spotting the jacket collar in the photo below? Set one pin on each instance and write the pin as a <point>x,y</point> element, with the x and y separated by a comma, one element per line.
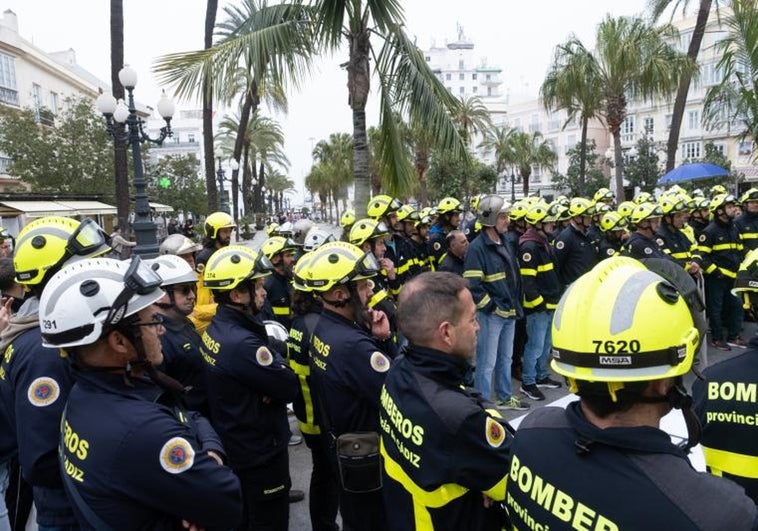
<point>116,383</point>
<point>247,321</point>
<point>446,368</point>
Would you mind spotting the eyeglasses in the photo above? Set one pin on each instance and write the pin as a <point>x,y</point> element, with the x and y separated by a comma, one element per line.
<point>184,289</point>
<point>157,320</point>
<point>140,280</point>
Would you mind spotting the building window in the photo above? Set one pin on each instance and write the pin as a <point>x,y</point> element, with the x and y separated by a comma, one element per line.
<point>649,125</point>
<point>191,138</point>
<point>721,148</point>
<point>474,89</point>
<point>461,76</point>
<point>448,77</point>
<point>461,91</point>
<point>5,164</point>
<point>712,74</point>
<point>745,149</point>
<point>627,129</point>
<point>693,120</point>
<point>54,102</point>
<point>487,77</point>
<point>461,65</point>
<point>517,124</point>
<point>37,95</point>
<point>428,58</point>
<point>685,38</point>
<point>7,72</point>
<point>489,91</point>
<point>176,138</point>
<point>473,76</point>
<point>691,150</point>
<point>669,119</point>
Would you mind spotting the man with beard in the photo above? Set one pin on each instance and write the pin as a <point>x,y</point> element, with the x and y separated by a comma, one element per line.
<point>281,252</point>
<point>645,219</point>
<point>613,226</point>
<point>249,386</point>
<point>351,349</point>
<point>747,223</point>
<point>670,237</point>
<point>720,250</point>
<point>574,253</point>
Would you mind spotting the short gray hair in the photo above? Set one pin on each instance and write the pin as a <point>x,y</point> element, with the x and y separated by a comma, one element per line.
<point>427,301</point>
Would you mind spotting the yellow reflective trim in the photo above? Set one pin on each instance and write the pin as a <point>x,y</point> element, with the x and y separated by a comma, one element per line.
<point>473,273</point>
<point>727,246</point>
<point>667,251</point>
<point>528,272</point>
<point>299,368</point>
<point>396,291</point>
<point>744,466</point>
<point>545,267</point>
<point>494,413</point>
<point>310,429</point>
<point>534,303</point>
<point>727,273</point>
<point>303,371</point>
<point>507,315</point>
<point>494,277</point>
<point>401,270</point>
<point>497,491</point>
<point>679,256</point>
<point>484,302</point>
<point>704,248</point>
<point>377,297</point>
<point>749,235</point>
<point>711,268</point>
<point>551,306</point>
<point>281,310</point>
<point>424,499</point>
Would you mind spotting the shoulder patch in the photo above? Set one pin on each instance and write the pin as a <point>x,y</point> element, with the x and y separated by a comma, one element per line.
<point>648,250</point>
<point>177,455</point>
<point>702,237</point>
<point>379,362</point>
<point>494,432</point>
<point>264,357</point>
<point>43,391</point>
<point>559,244</point>
<point>659,241</point>
<point>526,257</point>
<point>437,246</point>
<point>610,252</point>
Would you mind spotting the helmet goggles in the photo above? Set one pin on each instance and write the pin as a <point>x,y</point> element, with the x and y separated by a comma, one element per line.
<point>140,280</point>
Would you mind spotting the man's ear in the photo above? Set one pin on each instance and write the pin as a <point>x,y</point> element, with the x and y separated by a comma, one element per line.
<point>236,296</point>
<point>661,387</point>
<point>118,342</point>
<point>445,332</point>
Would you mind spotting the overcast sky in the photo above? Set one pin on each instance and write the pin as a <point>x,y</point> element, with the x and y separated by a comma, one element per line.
<point>519,36</point>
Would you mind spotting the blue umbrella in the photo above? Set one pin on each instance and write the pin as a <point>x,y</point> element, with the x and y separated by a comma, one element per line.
<point>692,172</point>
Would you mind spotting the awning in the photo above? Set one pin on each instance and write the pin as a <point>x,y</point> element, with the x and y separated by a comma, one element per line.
<point>158,207</point>
<point>38,209</point>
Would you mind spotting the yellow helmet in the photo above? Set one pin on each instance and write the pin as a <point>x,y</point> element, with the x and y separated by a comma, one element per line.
<point>216,222</point>
<point>300,272</point>
<point>701,203</point>
<point>382,205</point>
<point>277,244</point>
<point>538,214</point>
<point>347,218</point>
<point>611,221</point>
<point>580,206</point>
<point>644,197</point>
<point>750,195</point>
<point>621,322</point>
<point>367,229</point>
<point>602,208</point>
<point>645,211</point>
<point>272,229</point>
<point>718,189</point>
<point>475,201</point>
<point>47,244</point>
<point>407,213</point>
<point>625,208</point>
<point>338,263</point>
<point>518,211</point>
<point>720,201</point>
<point>234,264</point>
<point>448,205</point>
<point>746,284</point>
<point>603,194</point>
<point>671,204</point>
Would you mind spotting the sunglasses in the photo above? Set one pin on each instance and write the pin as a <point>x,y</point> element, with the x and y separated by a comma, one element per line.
<point>157,320</point>
<point>184,289</point>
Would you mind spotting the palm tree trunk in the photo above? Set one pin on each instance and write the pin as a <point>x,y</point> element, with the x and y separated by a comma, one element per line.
<point>247,196</point>
<point>248,107</point>
<point>619,162</point>
<point>421,164</point>
<point>525,174</point>
<point>359,85</point>
<point>210,174</point>
<point>121,171</point>
<point>583,157</point>
<point>256,186</point>
<point>684,84</point>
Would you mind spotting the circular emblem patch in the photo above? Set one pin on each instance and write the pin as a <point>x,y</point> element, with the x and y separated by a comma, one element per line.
<point>560,245</point>
<point>264,357</point>
<point>648,250</point>
<point>659,241</point>
<point>610,252</point>
<point>526,257</point>
<point>702,237</point>
<point>177,455</point>
<point>437,246</point>
<point>380,362</point>
<point>200,268</point>
<point>495,433</point>
<point>43,391</point>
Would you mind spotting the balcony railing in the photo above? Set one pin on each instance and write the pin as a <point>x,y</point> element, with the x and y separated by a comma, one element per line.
<point>8,96</point>
<point>5,164</point>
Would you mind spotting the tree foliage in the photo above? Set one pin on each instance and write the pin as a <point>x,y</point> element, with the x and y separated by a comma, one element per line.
<point>186,186</point>
<point>572,182</point>
<point>75,156</point>
<point>458,177</point>
<point>644,170</point>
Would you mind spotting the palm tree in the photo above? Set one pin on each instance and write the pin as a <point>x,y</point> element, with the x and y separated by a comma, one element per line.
<point>633,59</point>
<point>407,86</point>
<point>527,150</point>
<point>278,185</point>
<point>735,99</point>
<point>570,84</point>
<point>472,117</point>
<point>498,141</point>
<point>657,8</point>
<point>335,156</point>
<point>121,172</point>
<point>210,174</point>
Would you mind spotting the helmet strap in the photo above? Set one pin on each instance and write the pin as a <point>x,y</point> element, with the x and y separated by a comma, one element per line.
<point>678,398</point>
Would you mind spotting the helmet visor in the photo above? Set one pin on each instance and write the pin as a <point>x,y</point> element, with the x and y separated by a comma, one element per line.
<point>262,266</point>
<point>87,238</point>
<point>140,280</point>
<point>367,267</point>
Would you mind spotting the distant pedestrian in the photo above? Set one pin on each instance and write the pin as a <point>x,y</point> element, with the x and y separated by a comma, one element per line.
<point>121,246</point>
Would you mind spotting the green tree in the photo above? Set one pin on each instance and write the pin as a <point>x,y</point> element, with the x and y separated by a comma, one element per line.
<point>735,100</point>
<point>472,117</point>
<point>186,188</point>
<point>75,156</point>
<point>527,150</point>
<point>572,182</point>
<point>644,169</point>
<point>657,8</point>
<point>634,59</point>
<point>572,84</point>
<point>459,177</point>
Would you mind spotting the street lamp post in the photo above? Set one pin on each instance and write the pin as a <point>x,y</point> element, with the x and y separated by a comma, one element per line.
<point>513,187</point>
<point>223,200</point>
<point>134,135</point>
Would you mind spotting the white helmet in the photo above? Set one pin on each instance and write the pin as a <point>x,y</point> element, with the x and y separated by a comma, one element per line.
<point>285,229</point>
<point>316,238</point>
<point>172,270</point>
<point>300,229</point>
<point>85,297</point>
<point>179,244</point>
<point>490,206</point>
<point>276,331</point>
